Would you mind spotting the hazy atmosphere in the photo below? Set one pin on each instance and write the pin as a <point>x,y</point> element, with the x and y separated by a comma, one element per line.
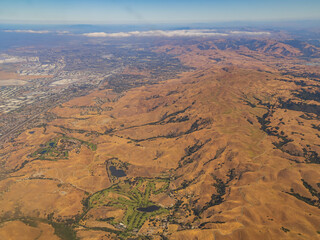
<point>149,11</point>
<point>159,120</point>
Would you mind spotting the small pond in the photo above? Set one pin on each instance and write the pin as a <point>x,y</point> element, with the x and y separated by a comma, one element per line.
<point>117,172</point>
<point>149,209</point>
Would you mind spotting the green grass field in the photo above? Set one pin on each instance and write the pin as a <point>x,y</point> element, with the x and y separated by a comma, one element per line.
<point>58,148</point>
<point>132,194</point>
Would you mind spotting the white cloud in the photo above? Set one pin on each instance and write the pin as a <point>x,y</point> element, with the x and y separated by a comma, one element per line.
<point>158,33</point>
<point>250,33</point>
<point>28,31</point>
<point>152,33</point>
<point>173,33</point>
<point>95,34</point>
<point>37,31</point>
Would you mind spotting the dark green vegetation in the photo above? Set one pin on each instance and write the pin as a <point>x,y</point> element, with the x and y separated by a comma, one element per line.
<point>64,231</point>
<point>219,152</point>
<point>59,148</point>
<point>50,151</point>
<point>316,127</point>
<point>217,199</point>
<point>303,95</point>
<point>30,222</point>
<point>285,229</point>
<point>309,155</point>
<point>307,95</point>
<point>175,117</point>
<point>314,201</point>
<point>313,191</point>
<point>221,187</point>
<point>81,131</point>
<point>190,150</point>
<point>132,195</point>
<point>299,106</point>
<point>197,125</point>
<point>264,121</point>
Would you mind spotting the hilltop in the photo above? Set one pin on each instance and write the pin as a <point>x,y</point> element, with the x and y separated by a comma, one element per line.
<point>226,148</point>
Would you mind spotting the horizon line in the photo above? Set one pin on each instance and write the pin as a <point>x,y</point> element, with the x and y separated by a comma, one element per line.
<point>38,22</point>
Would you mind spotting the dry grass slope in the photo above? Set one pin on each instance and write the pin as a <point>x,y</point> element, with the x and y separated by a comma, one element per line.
<point>227,151</point>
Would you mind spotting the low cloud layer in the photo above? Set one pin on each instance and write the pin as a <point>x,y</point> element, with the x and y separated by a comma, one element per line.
<point>28,31</point>
<point>249,33</point>
<point>175,33</point>
<point>157,33</point>
<point>37,31</point>
<point>152,33</point>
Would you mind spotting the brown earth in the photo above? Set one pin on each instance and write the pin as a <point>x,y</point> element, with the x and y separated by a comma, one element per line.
<point>207,131</point>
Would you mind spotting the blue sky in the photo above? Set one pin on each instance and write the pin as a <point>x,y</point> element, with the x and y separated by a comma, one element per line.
<point>149,11</point>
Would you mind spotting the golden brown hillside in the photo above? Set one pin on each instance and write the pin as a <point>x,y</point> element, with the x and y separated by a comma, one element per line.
<point>228,150</point>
